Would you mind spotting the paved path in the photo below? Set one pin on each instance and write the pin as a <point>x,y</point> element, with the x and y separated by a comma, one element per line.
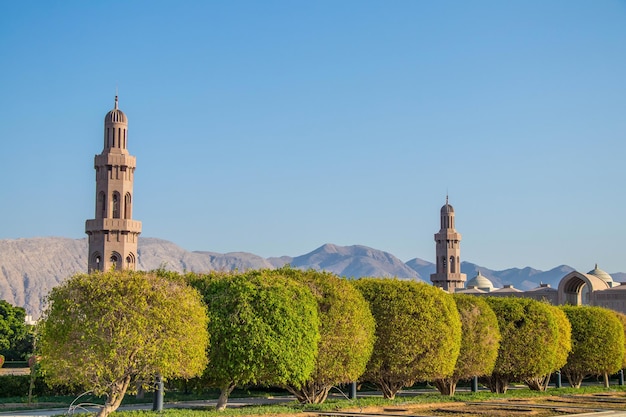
<point>234,402</point>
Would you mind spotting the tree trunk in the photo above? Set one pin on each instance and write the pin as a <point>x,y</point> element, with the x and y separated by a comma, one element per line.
<point>606,380</point>
<point>223,399</point>
<point>539,383</point>
<point>446,386</point>
<point>115,396</point>
<point>574,378</point>
<point>497,383</point>
<point>311,393</point>
<point>390,388</point>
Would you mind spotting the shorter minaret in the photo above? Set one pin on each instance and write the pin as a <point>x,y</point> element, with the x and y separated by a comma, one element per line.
<point>448,251</point>
<point>113,233</point>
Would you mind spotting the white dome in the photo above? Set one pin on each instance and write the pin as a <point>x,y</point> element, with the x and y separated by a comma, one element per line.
<point>597,272</point>
<point>481,282</point>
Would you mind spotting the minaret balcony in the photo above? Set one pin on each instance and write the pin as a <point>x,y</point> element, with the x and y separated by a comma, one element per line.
<point>114,159</point>
<point>122,225</point>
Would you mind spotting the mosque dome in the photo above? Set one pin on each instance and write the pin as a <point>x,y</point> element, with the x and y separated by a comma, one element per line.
<point>604,276</point>
<point>115,115</point>
<point>447,208</point>
<point>481,282</point>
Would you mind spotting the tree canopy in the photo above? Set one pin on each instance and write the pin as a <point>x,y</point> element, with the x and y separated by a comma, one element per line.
<point>530,336</point>
<point>264,328</point>
<point>15,334</point>
<point>418,333</point>
<point>597,343</point>
<point>107,331</point>
<point>346,329</point>
<point>479,342</point>
<point>564,346</point>
<point>622,319</point>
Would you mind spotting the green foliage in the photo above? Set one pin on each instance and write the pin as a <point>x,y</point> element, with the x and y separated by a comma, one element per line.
<point>18,385</point>
<point>597,343</point>
<point>530,337</point>
<point>347,333</point>
<point>15,335</point>
<point>479,343</point>
<point>264,327</point>
<point>564,346</point>
<point>622,319</point>
<point>565,338</point>
<point>418,333</point>
<point>107,331</point>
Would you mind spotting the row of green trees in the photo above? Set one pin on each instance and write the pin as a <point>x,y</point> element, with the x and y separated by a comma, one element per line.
<point>308,331</point>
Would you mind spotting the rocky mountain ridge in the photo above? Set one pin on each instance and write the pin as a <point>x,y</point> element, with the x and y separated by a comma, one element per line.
<point>30,268</point>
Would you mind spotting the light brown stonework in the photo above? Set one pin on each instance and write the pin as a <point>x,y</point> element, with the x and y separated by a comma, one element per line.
<point>448,253</point>
<point>113,233</point>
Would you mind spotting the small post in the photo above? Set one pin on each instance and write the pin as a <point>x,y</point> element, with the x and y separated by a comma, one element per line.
<point>157,404</point>
<point>352,395</point>
<point>621,377</point>
<point>558,379</point>
<point>475,384</point>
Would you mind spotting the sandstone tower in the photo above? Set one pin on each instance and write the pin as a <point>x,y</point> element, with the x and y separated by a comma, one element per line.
<point>113,233</point>
<point>448,251</point>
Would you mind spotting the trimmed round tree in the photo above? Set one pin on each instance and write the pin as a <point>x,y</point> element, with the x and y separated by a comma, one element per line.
<point>529,341</point>
<point>346,329</point>
<point>109,331</point>
<point>264,328</point>
<point>622,318</point>
<point>418,333</point>
<point>479,342</point>
<point>597,343</point>
<point>540,383</point>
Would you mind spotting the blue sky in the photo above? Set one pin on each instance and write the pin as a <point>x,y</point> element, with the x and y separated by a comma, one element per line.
<point>274,127</point>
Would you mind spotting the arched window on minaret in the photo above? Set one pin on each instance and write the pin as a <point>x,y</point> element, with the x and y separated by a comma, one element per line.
<point>130,261</point>
<point>452,265</point>
<point>127,206</point>
<point>444,264</point>
<point>116,260</point>
<point>116,205</point>
<point>102,205</point>
<point>97,260</point>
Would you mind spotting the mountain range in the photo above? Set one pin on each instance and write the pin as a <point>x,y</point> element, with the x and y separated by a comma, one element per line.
<point>31,267</point>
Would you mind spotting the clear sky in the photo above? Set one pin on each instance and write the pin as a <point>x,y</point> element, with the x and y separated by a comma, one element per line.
<point>274,127</point>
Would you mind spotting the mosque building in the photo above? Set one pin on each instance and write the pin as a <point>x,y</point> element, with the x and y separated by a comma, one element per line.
<point>595,288</point>
<point>113,236</point>
<point>113,233</point>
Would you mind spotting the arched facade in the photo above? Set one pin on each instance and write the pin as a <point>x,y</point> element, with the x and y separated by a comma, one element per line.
<point>578,289</point>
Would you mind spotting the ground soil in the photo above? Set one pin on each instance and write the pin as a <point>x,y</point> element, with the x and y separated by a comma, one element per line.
<point>539,407</point>
<point>536,407</point>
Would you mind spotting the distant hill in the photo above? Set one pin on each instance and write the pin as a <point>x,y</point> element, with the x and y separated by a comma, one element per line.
<point>31,267</point>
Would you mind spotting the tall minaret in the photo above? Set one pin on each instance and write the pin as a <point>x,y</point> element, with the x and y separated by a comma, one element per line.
<point>448,251</point>
<point>113,234</point>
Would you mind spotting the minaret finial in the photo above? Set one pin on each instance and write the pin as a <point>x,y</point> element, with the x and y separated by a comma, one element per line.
<point>116,96</point>
<point>446,199</point>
